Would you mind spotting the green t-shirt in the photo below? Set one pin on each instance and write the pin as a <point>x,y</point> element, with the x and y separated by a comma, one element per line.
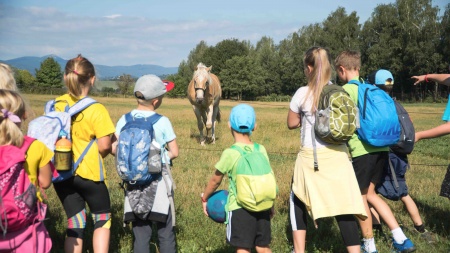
<point>356,146</point>
<point>227,163</point>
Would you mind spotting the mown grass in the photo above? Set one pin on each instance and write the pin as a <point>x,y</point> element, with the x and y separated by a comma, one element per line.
<point>195,164</point>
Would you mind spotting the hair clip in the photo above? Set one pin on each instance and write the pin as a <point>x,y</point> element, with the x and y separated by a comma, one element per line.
<point>9,115</point>
<point>75,72</point>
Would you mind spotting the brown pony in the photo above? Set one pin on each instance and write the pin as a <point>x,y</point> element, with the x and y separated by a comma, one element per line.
<point>204,93</point>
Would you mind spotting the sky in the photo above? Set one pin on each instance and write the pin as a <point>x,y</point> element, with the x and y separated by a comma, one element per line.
<point>124,33</point>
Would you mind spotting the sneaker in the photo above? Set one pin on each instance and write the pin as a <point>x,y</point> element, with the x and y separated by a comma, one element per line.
<point>405,247</point>
<point>428,236</point>
<point>363,249</point>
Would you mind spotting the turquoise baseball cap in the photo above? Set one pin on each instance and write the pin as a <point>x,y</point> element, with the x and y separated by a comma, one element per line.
<point>381,77</point>
<point>242,118</point>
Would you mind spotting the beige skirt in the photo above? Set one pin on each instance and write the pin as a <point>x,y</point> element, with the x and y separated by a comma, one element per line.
<point>332,189</point>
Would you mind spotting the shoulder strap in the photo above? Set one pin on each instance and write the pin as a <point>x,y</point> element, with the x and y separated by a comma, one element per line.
<point>355,82</point>
<point>80,105</point>
<point>154,118</point>
<point>49,106</point>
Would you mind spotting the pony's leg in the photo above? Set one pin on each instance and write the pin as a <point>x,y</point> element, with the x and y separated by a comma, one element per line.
<point>210,124</point>
<point>214,117</point>
<point>199,123</point>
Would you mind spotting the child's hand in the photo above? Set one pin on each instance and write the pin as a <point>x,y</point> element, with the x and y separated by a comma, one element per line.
<point>272,212</point>
<point>204,206</point>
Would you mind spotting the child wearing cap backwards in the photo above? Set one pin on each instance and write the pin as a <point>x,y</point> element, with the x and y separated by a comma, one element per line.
<point>245,229</point>
<point>331,190</point>
<point>441,130</point>
<point>384,80</point>
<point>368,162</point>
<point>149,92</point>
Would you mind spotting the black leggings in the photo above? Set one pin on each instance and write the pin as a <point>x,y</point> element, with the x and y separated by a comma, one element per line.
<point>347,222</point>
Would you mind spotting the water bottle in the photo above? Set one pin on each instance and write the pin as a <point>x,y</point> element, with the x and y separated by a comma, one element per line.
<point>63,154</point>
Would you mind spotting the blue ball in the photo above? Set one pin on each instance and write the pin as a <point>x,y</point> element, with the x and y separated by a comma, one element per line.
<point>216,206</point>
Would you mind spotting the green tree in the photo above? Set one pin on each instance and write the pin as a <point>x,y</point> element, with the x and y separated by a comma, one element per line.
<point>243,77</point>
<point>125,84</point>
<point>267,57</point>
<point>24,79</point>
<point>49,75</point>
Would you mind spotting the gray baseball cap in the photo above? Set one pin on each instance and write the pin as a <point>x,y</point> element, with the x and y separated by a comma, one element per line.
<point>150,86</point>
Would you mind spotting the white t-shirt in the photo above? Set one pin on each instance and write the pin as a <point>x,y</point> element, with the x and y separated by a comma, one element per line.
<point>298,105</point>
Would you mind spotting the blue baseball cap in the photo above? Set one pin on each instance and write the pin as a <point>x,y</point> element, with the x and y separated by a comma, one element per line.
<point>242,118</point>
<point>381,77</point>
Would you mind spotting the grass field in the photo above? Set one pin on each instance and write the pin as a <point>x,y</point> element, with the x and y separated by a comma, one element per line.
<point>195,164</point>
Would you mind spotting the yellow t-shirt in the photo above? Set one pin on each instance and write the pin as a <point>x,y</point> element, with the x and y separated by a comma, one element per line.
<point>93,122</point>
<point>38,155</point>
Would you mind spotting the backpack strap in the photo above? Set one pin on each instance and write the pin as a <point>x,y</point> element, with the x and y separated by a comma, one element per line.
<point>393,173</point>
<point>313,137</point>
<point>80,105</point>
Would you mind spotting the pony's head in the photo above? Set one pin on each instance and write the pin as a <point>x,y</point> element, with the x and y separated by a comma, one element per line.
<point>202,80</point>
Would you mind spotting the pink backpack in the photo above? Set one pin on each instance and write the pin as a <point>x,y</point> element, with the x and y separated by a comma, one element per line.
<point>18,202</point>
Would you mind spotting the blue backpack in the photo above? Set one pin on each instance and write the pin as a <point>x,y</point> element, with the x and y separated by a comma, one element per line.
<point>50,127</point>
<point>138,157</point>
<point>379,123</point>
<point>393,183</point>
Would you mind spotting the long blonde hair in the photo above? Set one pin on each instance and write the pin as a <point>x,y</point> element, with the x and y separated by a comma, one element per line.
<point>10,132</point>
<point>318,74</point>
<point>7,80</point>
<point>78,72</point>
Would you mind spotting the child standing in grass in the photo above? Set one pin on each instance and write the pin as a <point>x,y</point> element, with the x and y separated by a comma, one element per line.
<point>245,229</point>
<point>37,167</point>
<point>441,130</point>
<point>368,162</point>
<point>384,80</point>
<point>332,190</point>
<point>88,184</point>
<point>149,92</point>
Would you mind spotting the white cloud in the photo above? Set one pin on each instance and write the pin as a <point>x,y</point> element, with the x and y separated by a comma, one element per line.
<point>113,16</point>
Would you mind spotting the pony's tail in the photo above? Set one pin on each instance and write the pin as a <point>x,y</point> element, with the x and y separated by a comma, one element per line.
<point>218,116</point>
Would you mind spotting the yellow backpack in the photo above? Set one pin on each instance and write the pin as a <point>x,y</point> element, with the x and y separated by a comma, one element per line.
<point>254,183</point>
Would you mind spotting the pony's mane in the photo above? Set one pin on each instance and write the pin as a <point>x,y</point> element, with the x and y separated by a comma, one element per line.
<point>201,65</point>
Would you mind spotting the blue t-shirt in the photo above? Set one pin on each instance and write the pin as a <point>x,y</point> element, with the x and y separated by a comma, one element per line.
<point>163,129</point>
<point>446,116</point>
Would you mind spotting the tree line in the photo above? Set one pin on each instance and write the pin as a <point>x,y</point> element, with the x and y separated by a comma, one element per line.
<point>407,37</point>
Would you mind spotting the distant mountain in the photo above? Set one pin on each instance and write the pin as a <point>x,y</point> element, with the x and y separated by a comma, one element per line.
<point>31,63</point>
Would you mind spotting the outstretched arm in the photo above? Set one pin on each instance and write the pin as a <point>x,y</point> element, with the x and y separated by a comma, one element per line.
<point>433,132</point>
<point>440,78</point>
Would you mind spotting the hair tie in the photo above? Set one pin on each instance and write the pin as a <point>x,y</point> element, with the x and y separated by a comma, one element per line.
<point>9,115</point>
<point>75,72</point>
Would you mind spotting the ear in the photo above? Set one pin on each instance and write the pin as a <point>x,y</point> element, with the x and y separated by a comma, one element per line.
<point>229,125</point>
<point>310,68</point>
<point>92,80</point>
<point>256,126</point>
<point>155,101</point>
<point>209,68</point>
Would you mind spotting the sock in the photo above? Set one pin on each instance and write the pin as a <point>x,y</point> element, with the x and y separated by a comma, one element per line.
<point>420,228</point>
<point>398,235</point>
<point>369,244</point>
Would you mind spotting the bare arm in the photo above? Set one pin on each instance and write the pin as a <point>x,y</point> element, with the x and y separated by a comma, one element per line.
<point>440,78</point>
<point>173,149</point>
<point>211,187</point>
<point>104,145</point>
<point>114,143</point>
<point>433,132</point>
<point>293,120</point>
<point>45,176</point>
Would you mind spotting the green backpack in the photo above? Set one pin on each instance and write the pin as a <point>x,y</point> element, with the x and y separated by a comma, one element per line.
<point>336,116</point>
<point>254,182</point>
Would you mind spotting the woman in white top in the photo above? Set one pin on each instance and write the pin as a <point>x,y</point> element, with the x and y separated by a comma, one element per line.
<point>331,189</point>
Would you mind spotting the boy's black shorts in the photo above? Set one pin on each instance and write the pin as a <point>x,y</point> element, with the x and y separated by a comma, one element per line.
<point>369,168</point>
<point>247,229</point>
